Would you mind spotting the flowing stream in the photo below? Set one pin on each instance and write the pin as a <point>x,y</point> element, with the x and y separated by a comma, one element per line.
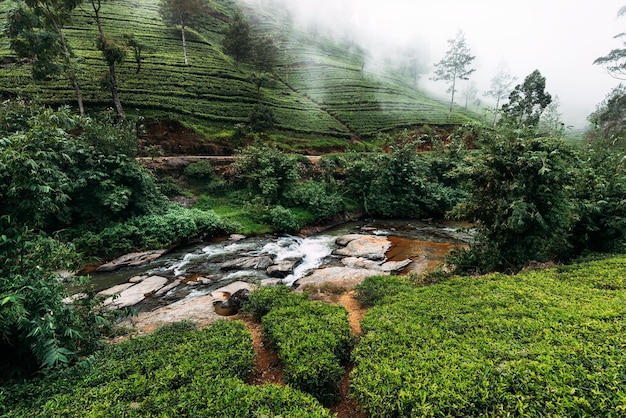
<point>203,264</point>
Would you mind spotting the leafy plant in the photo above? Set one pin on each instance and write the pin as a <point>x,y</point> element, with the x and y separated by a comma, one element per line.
<point>544,342</point>
<point>520,200</point>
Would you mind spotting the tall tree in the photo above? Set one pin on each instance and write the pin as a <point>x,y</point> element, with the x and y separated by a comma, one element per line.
<point>615,61</point>
<point>455,65</point>
<point>37,32</point>
<point>237,39</point>
<point>470,93</point>
<point>181,12</point>
<point>609,118</point>
<point>551,121</point>
<point>500,87</point>
<point>138,48</point>
<point>113,54</point>
<point>527,101</point>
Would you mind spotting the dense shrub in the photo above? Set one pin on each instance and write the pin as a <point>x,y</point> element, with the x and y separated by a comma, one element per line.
<point>542,343</point>
<point>38,329</point>
<point>313,340</point>
<point>267,172</point>
<point>376,288</point>
<point>317,197</point>
<point>152,232</point>
<point>177,371</point>
<point>405,183</point>
<point>520,200</point>
<point>266,298</point>
<point>600,187</point>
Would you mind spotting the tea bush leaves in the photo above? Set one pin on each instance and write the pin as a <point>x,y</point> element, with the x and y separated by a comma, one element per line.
<point>542,343</point>
<point>177,371</point>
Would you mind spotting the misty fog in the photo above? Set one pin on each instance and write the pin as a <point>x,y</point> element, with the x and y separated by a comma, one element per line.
<point>559,38</point>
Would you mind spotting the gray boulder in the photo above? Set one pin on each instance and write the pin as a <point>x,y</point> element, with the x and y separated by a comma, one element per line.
<point>283,268</point>
<point>367,246</point>
<point>247,263</point>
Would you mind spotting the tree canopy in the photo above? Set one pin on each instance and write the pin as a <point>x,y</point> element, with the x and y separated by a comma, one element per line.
<point>455,65</point>
<point>183,13</point>
<point>527,101</point>
<point>615,61</point>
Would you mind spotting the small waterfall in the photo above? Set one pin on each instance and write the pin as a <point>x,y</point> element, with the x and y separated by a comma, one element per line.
<point>313,251</point>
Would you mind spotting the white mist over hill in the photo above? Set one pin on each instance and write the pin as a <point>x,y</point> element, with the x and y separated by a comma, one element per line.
<point>560,38</point>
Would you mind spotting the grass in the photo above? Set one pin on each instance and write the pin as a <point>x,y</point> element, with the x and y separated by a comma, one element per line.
<point>320,92</point>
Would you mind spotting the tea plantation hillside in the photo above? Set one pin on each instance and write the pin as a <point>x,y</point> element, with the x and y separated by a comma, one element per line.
<point>319,86</point>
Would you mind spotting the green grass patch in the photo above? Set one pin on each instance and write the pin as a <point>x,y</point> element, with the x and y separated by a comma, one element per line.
<point>542,343</point>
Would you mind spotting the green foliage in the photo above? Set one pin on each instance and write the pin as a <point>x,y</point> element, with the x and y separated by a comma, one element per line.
<point>542,343</point>
<point>374,289</point>
<point>177,371</point>
<point>527,101</point>
<point>405,183</point>
<point>600,224</point>
<point>38,329</point>
<point>317,197</point>
<point>155,231</point>
<point>267,172</point>
<point>312,340</point>
<point>266,298</point>
<point>609,118</point>
<point>283,220</point>
<point>62,170</point>
<point>520,201</point>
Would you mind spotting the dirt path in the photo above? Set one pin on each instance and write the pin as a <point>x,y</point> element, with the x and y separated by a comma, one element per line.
<point>268,368</point>
<point>267,364</point>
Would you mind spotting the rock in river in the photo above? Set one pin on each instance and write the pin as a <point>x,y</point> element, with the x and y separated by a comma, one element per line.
<point>135,293</point>
<point>366,246</point>
<point>131,260</point>
<point>247,263</point>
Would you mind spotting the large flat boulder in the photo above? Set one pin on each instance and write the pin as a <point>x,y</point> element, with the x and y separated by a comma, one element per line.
<point>346,277</point>
<point>283,268</point>
<point>247,263</point>
<point>196,307</point>
<point>134,294</point>
<point>131,260</point>
<point>385,266</point>
<point>367,246</point>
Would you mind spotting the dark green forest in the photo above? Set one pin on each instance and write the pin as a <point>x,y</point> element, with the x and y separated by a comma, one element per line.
<point>85,88</point>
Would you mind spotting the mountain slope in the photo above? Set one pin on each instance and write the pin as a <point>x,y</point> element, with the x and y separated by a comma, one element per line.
<point>320,87</point>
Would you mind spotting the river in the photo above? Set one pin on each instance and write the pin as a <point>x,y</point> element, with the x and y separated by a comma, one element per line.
<point>202,264</point>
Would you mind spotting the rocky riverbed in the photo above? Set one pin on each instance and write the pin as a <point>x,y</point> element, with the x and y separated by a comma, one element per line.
<point>187,283</point>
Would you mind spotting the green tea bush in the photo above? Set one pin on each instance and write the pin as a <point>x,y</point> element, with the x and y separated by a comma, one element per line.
<point>263,300</point>
<point>542,343</point>
<point>376,288</point>
<point>176,371</point>
<point>313,340</point>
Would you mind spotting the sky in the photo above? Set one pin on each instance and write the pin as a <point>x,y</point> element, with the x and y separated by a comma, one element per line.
<point>560,38</point>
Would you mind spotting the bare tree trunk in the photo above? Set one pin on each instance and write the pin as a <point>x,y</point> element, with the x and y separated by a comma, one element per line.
<point>495,115</point>
<point>452,99</point>
<point>182,31</point>
<point>117,103</point>
<point>68,61</point>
